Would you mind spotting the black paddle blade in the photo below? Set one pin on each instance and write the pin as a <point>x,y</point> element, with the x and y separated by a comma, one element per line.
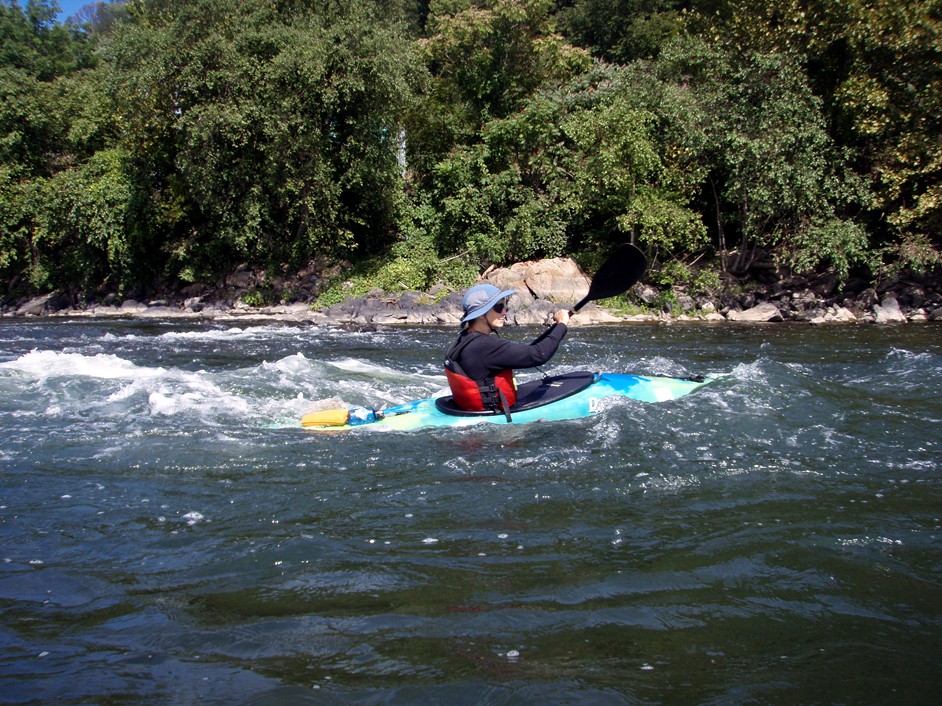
<point>616,275</point>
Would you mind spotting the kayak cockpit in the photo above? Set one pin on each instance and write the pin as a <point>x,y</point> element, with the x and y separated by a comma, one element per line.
<point>530,394</point>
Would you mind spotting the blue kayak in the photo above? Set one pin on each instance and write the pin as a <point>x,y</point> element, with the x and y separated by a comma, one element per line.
<point>560,397</point>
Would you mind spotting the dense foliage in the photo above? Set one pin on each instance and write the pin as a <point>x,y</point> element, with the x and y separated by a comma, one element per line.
<point>173,140</point>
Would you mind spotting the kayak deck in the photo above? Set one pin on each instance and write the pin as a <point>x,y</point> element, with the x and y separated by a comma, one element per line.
<point>530,395</point>
<point>586,401</point>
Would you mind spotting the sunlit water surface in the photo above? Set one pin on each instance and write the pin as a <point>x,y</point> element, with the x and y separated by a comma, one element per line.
<point>170,535</point>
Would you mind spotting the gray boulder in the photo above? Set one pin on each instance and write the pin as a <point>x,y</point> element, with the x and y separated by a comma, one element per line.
<point>35,306</point>
<point>888,312</point>
<point>759,314</point>
<point>558,280</point>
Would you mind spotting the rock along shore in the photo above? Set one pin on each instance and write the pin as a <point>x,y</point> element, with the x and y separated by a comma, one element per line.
<point>542,287</point>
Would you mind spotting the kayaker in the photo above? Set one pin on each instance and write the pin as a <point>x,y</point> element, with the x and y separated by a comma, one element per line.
<point>479,366</point>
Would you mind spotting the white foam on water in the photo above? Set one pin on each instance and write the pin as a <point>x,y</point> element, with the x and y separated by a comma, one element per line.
<point>659,365</point>
<point>749,371</point>
<point>908,356</point>
<point>869,541</point>
<point>358,365</point>
<point>228,334</point>
<point>293,364</point>
<point>282,389</point>
<point>231,334</point>
<point>912,369</point>
<point>167,391</point>
<point>43,365</point>
<point>212,404</point>
<point>193,517</point>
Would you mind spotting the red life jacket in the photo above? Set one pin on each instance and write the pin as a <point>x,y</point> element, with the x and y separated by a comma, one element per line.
<point>498,393</point>
<point>487,395</point>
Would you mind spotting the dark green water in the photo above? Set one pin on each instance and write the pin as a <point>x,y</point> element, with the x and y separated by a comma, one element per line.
<point>170,536</point>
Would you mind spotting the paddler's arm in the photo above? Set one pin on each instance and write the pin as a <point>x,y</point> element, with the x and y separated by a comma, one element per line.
<point>521,355</point>
<point>560,317</point>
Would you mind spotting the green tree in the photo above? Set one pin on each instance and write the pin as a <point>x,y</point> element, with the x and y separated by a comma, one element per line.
<point>486,58</point>
<point>55,140</point>
<point>52,119</point>
<point>877,67</point>
<point>29,130</point>
<point>99,18</point>
<point>31,40</point>
<point>35,56</point>
<point>621,31</point>
<point>261,132</point>
<point>579,167</point>
<point>777,175</point>
<point>623,176</point>
<point>892,99</point>
<point>79,236</point>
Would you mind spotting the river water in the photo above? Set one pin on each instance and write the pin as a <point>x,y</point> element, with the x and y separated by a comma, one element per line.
<point>170,535</point>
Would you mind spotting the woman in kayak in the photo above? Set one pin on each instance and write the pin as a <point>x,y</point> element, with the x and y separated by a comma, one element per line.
<point>479,366</point>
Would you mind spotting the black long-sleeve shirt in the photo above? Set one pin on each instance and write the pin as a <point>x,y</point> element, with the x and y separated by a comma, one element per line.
<point>484,356</point>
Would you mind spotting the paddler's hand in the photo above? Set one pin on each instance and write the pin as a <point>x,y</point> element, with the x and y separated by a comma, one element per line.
<point>561,317</point>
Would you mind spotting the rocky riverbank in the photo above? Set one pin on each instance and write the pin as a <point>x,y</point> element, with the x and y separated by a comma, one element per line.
<point>542,286</point>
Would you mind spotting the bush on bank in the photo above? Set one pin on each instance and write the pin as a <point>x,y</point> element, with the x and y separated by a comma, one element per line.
<point>155,144</point>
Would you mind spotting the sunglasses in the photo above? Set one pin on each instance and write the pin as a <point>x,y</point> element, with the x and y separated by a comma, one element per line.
<point>500,307</point>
